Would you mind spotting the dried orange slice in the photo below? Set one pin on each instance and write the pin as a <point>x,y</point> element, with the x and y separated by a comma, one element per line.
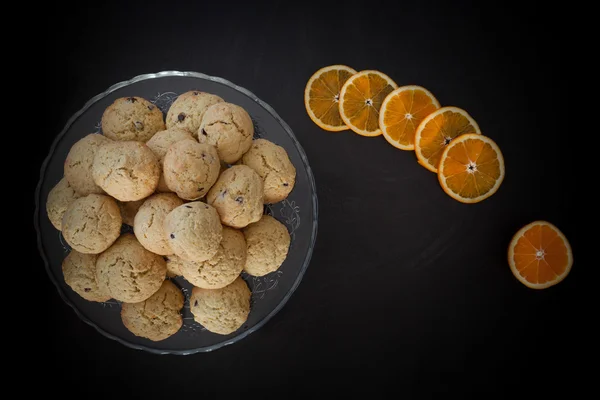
<point>471,168</point>
<point>361,98</point>
<point>540,255</point>
<point>321,96</point>
<point>437,130</point>
<point>401,113</point>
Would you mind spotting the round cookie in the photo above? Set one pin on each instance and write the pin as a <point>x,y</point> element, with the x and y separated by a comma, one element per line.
<point>268,242</point>
<point>273,165</point>
<point>193,231</point>
<point>187,110</point>
<point>129,209</point>
<point>224,310</point>
<point>223,268</point>
<point>157,317</point>
<point>160,143</point>
<point>92,223</point>
<point>132,118</point>
<point>78,164</point>
<point>148,222</point>
<point>128,171</point>
<point>128,272</point>
<point>238,196</point>
<point>191,168</point>
<point>228,127</point>
<point>174,264</point>
<point>79,271</point>
<point>59,198</point>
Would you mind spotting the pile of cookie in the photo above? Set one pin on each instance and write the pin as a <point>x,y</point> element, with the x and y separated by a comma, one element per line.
<point>193,188</point>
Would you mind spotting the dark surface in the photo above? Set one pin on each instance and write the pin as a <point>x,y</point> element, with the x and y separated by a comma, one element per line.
<point>407,286</point>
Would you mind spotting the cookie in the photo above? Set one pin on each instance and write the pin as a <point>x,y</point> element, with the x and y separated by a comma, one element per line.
<point>229,128</point>
<point>132,118</point>
<point>174,264</point>
<point>92,223</point>
<point>157,317</point>
<point>273,165</point>
<point>191,168</point>
<point>148,222</point>
<point>79,271</point>
<point>238,196</point>
<point>78,164</point>
<point>193,231</point>
<point>187,110</point>
<point>128,171</point>
<point>224,310</point>
<point>160,143</point>
<point>129,209</point>
<point>221,269</point>
<point>59,198</point>
<point>128,272</point>
<point>268,242</point>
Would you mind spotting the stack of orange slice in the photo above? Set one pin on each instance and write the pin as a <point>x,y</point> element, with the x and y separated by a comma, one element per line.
<point>370,103</point>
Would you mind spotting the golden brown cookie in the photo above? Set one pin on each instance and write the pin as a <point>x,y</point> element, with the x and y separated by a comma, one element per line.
<point>238,196</point>
<point>128,171</point>
<point>193,231</point>
<point>191,168</point>
<point>59,198</point>
<point>187,110</point>
<point>148,223</point>
<point>221,269</point>
<point>92,223</point>
<point>160,143</point>
<point>229,128</point>
<point>268,242</point>
<point>132,118</point>
<point>157,317</point>
<point>78,164</point>
<point>79,271</point>
<point>128,272</point>
<point>273,165</point>
<point>224,310</point>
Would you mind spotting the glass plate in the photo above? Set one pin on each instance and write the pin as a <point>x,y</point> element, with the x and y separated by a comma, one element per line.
<point>298,212</point>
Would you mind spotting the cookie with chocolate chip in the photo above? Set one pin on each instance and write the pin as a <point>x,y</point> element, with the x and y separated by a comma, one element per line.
<point>187,110</point>
<point>132,118</point>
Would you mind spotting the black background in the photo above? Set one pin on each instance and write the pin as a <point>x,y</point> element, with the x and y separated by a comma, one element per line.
<point>407,288</point>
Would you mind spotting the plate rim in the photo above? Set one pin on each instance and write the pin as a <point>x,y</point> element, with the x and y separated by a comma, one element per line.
<point>286,128</point>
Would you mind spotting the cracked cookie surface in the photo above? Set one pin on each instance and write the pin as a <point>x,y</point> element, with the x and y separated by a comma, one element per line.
<point>132,118</point>
<point>92,223</point>
<point>160,143</point>
<point>128,272</point>
<point>79,272</point>
<point>127,171</point>
<point>238,196</point>
<point>157,317</point>
<point>224,310</point>
<point>222,268</point>
<point>229,128</point>
<point>59,198</point>
<point>268,242</point>
<point>78,164</point>
<point>193,231</point>
<point>187,110</point>
<point>148,222</point>
<point>273,165</point>
<point>191,168</point>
